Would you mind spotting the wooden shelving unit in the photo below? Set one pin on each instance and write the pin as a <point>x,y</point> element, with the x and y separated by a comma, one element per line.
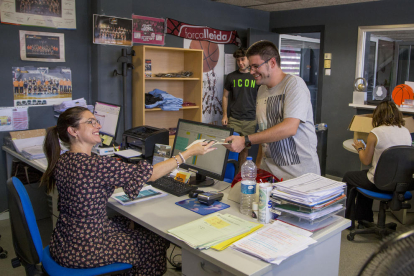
<point>166,60</point>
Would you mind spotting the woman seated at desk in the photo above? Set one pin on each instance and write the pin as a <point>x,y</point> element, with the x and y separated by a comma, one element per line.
<point>388,131</point>
<point>84,236</point>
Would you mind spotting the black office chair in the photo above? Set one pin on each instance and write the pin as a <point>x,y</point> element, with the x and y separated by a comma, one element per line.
<point>232,165</point>
<point>28,244</point>
<point>394,176</point>
<point>394,256</point>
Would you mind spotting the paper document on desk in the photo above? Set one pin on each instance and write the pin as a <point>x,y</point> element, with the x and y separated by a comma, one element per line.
<point>216,142</point>
<point>310,184</point>
<point>211,230</point>
<point>275,243</point>
<point>146,193</point>
<point>128,153</point>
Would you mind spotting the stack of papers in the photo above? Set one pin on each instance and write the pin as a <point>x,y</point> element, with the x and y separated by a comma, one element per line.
<point>212,230</point>
<point>59,108</point>
<point>275,242</point>
<point>310,189</point>
<point>310,197</point>
<point>34,152</point>
<point>146,193</point>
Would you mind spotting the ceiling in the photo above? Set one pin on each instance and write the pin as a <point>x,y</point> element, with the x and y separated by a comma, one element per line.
<point>285,5</point>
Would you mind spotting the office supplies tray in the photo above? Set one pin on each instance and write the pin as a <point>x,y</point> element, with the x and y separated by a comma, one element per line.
<point>172,186</point>
<point>294,206</point>
<point>310,220</point>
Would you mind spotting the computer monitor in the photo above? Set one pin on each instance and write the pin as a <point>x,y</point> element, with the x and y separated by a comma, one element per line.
<point>212,164</point>
<point>108,115</point>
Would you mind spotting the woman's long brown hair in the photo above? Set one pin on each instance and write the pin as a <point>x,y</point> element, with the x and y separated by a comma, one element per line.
<point>387,113</point>
<point>51,147</point>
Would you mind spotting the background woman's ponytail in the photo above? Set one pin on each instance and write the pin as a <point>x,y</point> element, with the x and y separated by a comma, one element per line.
<point>52,149</point>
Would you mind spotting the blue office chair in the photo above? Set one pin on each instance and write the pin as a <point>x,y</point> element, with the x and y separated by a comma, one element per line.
<point>232,165</point>
<point>28,244</point>
<point>394,176</point>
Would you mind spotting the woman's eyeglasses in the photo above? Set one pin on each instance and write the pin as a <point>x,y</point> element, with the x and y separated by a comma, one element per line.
<point>92,122</point>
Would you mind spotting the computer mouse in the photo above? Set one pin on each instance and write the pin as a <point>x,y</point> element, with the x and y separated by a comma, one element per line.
<point>195,193</point>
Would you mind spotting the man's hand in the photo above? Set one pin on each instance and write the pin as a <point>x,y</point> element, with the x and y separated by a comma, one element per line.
<point>236,145</point>
<point>224,121</point>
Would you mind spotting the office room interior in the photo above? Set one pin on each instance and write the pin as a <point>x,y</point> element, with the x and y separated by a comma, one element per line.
<point>92,67</point>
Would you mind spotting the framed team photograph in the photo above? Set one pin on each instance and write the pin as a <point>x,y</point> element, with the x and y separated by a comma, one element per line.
<point>44,8</point>
<point>111,30</point>
<point>59,14</point>
<point>34,86</point>
<point>42,46</point>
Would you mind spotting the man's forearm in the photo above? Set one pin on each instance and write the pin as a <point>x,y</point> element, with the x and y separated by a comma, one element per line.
<point>281,131</point>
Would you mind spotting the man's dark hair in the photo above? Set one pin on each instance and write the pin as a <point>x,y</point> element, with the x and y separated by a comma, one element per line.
<point>239,53</point>
<point>265,49</point>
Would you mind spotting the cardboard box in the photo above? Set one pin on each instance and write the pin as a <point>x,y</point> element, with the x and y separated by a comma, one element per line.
<point>361,125</point>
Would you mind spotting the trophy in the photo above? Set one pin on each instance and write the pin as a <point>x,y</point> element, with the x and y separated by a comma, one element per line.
<point>360,88</point>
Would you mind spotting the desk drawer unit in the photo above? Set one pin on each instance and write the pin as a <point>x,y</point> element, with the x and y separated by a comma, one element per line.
<point>194,265</point>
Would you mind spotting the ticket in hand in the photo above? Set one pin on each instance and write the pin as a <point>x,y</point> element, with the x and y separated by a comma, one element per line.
<point>216,142</point>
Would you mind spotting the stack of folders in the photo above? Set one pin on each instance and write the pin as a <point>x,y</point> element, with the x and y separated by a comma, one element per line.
<point>275,242</point>
<point>33,152</point>
<point>216,230</point>
<point>310,197</point>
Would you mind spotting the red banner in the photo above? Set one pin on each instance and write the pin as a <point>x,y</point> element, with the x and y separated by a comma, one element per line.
<point>193,32</point>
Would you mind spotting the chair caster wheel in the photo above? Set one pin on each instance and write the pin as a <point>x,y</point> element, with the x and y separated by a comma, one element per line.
<point>3,254</point>
<point>350,237</point>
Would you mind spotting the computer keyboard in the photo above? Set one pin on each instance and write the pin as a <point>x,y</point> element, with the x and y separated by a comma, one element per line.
<point>172,186</point>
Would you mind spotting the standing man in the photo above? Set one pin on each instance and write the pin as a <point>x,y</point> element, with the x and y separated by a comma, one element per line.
<point>284,115</point>
<point>239,95</point>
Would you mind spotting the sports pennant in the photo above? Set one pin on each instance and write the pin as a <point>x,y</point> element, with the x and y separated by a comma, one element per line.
<point>193,32</point>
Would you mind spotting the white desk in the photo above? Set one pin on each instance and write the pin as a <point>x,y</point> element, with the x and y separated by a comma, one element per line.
<point>347,144</point>
<point>161,214</point>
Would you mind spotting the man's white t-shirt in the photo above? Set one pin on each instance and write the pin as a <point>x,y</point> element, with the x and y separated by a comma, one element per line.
<point>296,155</point>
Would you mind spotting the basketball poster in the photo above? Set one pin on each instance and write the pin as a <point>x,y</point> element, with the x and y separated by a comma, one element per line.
<point>34,86</point>
<point>39,46</point>
<point>111,30</point>
<point>148,30</point>
<point>213,79</point>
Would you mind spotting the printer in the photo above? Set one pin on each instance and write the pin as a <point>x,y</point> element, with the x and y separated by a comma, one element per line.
<point>144,138</point>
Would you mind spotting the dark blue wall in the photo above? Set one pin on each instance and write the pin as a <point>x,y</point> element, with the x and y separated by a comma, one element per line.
<point>107,88</point>
<point>78,56</point>
<point>92,65</point>
<point>341,35</point>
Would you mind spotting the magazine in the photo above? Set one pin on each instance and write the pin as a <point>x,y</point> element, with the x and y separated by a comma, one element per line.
<point>148,192</point>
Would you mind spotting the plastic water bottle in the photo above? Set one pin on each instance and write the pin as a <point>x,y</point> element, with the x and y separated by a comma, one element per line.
<point>248,186</point>
<point>321,126</point>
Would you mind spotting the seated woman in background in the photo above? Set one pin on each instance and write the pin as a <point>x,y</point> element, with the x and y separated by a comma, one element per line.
<point>388,131</point>
<point>84,236</point>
